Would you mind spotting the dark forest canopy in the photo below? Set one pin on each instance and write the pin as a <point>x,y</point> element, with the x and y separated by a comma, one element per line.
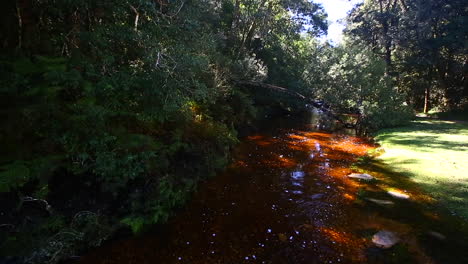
<point>131,103</point>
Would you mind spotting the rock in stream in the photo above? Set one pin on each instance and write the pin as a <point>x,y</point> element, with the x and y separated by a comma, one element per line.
<point>385,239</point>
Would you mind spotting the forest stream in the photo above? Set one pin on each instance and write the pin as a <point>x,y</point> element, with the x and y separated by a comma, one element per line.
<point>285,198</point>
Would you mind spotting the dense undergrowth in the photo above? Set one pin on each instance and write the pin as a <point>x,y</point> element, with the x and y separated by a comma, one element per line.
<point>112,112</point>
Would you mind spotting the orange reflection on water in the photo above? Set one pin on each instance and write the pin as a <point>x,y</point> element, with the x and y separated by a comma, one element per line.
<point>338,237</point>
<point>252,210</point>
<point>263,143</point>
<point>255,137</point>
<point>287,162</point>
<point>349,196</point>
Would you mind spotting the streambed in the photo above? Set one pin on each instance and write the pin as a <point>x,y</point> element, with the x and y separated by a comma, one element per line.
<point>285,198</point>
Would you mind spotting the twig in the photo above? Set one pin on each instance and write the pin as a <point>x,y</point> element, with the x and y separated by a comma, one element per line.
<point>178,11</point>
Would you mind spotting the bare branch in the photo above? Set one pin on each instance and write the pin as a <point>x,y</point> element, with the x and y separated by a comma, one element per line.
<point>137,16</point>
<point>178,11</point>
<point>31,199</point>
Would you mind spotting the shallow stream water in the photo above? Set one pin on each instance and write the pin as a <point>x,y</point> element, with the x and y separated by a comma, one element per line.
<point>285,198</point>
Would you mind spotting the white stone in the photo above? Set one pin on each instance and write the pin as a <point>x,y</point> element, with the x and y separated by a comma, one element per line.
<point>398,195</point>
<point>361,176</point>
<point>385,239</point>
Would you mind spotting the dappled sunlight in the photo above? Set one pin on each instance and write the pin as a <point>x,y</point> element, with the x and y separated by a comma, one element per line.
<point>436,122</point>
<point>349,196</point>
<point>390,180</point>
<point>285,162</point>
<point>287,197</point>
<point>341,237</point>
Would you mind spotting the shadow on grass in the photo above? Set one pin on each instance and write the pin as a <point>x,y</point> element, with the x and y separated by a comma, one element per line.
<point>431,126</point>
<point>416,135</point>
<point>423,216</point>
<point>439,170</point>
<point>451,115</point>
<point>427,142</point>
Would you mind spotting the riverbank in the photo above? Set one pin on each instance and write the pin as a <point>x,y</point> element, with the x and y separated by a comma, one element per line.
<point>434,155</point>
<point>286,198</point>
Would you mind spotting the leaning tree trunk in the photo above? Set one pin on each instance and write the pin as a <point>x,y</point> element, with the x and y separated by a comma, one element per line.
<point>295,95</point>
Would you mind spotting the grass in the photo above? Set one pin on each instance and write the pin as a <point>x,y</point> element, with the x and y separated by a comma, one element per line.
<point>434,155</point>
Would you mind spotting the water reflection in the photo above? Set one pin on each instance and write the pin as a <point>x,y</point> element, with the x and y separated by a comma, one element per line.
<point>283,200</point>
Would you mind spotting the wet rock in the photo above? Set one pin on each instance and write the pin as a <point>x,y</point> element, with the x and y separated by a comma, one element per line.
<point>385,239</point>
<point>361,176</point>
<point>380,202</point>
<point>398,194</point>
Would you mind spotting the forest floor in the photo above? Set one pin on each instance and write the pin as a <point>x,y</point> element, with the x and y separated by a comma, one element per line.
<point>433,154</point>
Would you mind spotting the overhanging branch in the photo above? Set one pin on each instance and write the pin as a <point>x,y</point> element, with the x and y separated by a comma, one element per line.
<point>297,95</point>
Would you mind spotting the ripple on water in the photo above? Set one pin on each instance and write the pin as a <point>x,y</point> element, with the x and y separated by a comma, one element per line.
<point>254,212</point>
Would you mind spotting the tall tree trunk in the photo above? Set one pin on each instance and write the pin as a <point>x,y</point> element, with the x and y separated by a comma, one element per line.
<point>388,55</point>
<point>27,25</point>
<point>427,95</point>
<point>20,26</point>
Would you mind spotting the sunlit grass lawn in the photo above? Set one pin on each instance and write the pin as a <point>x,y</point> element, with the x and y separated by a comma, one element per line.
<point>434,154</point>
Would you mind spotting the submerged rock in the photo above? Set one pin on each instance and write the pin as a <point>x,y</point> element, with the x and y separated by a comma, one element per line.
<point>317,196</point>
<point>380,202</point>
<point>361,176</point>
<point>398,194</point>
<point>437,235</point>
<point>385,239</point>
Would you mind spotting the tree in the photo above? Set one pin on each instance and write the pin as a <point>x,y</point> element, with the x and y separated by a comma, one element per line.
<point>421,42</point>
<point>130,103</point>
<point>357,83</point>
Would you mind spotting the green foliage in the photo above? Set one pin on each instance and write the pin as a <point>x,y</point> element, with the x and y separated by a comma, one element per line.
<point>357,82</point>
<point>139,99</point>
<point>423,44</point>
<point>86,228</point>
<point>137,224</point>
<point>13,175</point>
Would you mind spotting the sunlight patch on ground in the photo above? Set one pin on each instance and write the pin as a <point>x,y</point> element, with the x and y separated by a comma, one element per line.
<point>433,154</point>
